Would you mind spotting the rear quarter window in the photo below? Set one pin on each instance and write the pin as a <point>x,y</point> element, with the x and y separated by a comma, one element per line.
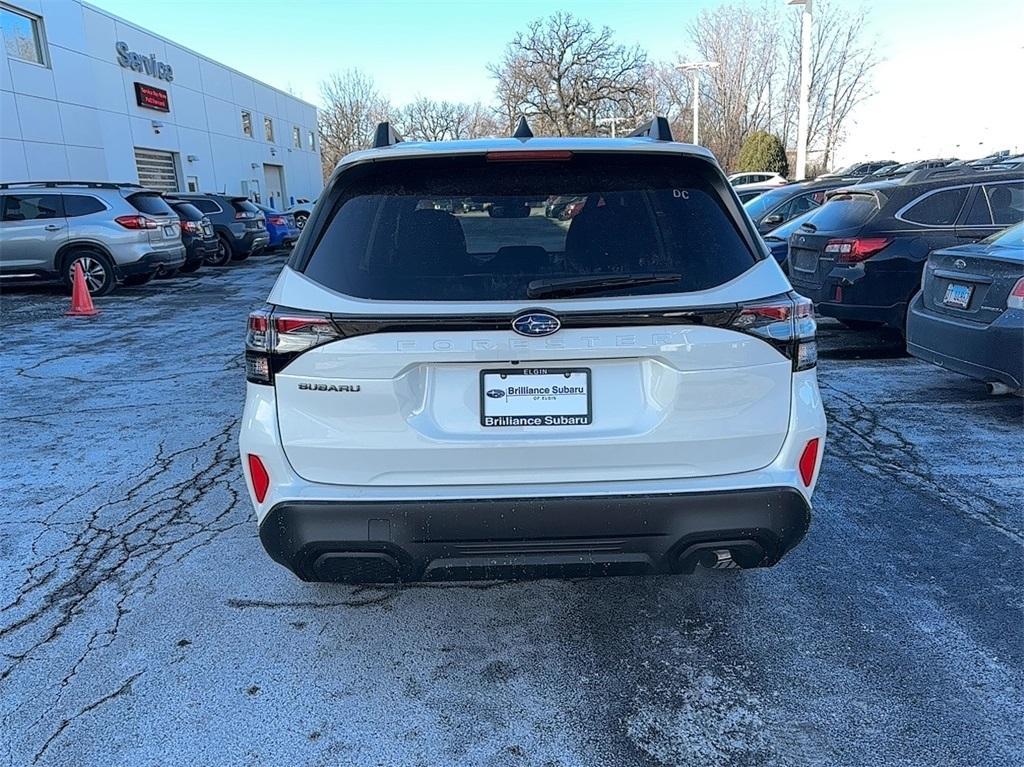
<point>81,205</point>
<point>938,208</point>
<point>470,230</point>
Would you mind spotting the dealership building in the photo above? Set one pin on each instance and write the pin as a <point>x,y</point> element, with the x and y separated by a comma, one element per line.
<point>88,96</point>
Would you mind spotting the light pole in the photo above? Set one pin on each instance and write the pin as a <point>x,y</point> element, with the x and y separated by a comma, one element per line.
<point>695,68</point>
<point>803,115</point>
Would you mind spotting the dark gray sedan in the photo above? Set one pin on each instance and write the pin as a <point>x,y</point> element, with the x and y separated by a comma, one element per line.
<point>969,315</point>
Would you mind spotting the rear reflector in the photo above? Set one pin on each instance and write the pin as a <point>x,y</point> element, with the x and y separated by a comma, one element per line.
<point>808,459</point>
<point>259,476</point>
<point>542,155</point>
<point>1016,298</point>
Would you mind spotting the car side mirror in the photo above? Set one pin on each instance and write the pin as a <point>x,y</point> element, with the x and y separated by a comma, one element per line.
<point>774,218</point>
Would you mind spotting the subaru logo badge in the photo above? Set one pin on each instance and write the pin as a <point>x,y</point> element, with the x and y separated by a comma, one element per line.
<point>536,324</point>
<point>960,264</point>
<point>495,393</point>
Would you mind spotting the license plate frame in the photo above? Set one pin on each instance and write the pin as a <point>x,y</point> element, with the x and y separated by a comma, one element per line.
<point>958,295</point>
<point>546,415</point>
<point>168,231</point>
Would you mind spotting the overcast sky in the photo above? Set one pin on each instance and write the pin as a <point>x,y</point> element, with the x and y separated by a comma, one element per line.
<point>950,83</point>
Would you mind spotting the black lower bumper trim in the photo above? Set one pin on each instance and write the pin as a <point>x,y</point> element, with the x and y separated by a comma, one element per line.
<point>360,541</point>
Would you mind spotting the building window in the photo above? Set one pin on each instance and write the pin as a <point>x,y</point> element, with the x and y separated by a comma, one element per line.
<point>297,137</point>
<point>247,123</point>
<point>312,141</point>
<point>22,36</point>
<point>268,129</point>
<point>192,183</point>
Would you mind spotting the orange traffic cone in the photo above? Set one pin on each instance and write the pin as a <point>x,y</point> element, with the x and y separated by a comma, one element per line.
<point>81,301</point>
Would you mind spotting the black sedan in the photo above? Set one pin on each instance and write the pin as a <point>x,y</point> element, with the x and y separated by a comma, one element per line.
<point>969,315</point>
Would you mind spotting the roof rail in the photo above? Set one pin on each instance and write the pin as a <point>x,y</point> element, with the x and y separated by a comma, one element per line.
<point>55,184</point>
<point>522,129</point>
<point>657,129</point>
<point>385,136</point>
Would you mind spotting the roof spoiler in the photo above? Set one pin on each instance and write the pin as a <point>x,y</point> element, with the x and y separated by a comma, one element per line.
<point>385,136</point>
<point>57,184</point>
<point>657,129</point>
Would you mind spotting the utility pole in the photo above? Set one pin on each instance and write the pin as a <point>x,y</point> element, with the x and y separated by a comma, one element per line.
<point>695,68</point>
<point>803,116</point>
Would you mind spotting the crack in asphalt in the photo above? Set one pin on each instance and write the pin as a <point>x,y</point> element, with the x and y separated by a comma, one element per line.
<point>894,456</point>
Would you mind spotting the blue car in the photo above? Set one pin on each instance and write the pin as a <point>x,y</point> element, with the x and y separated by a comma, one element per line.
<point>777,239</point>
<point>281,228</point>
<point>969,314</point>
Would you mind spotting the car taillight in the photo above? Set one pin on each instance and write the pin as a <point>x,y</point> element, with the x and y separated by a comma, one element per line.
<point>856,249</point>
<point>786,322</point>
<point>1016,298</point>
<point>137,222</point>
<point>244,214</point>
<point>192,227</point>
<point>276,220</point>
<point>275,337</point>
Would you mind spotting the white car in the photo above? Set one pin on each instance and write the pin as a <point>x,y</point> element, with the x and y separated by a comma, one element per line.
<point>302,210</point>
<point>763,177</point>
<point>443,390</point>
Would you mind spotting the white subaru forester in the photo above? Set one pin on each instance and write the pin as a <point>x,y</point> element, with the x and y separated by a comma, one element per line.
<point>530,356</point>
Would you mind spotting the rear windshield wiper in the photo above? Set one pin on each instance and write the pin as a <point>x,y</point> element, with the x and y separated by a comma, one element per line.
<point>569,286</point>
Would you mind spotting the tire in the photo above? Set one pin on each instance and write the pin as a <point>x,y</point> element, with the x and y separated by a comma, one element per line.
<point>300,220</point>
<point>138,279</point>
<point>190,266</point>
<point>169,273</point>
<point>222,257</point>
<point>860,324</point>
<point>97,268</point>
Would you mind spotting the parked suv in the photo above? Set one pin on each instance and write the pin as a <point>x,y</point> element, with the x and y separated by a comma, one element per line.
<point>859,257</point>
<point>441,393</point>
<point>196,235</point>
<point>116,232</point>
<point>239,225</point>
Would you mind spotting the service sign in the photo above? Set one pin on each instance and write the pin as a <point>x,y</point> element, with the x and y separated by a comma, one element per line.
<point>152,98</point>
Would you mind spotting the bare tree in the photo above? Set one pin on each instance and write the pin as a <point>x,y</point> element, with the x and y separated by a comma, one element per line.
<point>428,120</point>
<point>736,95</point>
<point>564,75</point>
<point>352,107</point>
<point>842,62</point>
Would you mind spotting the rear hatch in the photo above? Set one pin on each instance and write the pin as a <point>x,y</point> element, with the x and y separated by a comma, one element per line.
<point>248,213</point>
<point>971,282</point>
<point>454,343</point>
<point>166,233</point>
<point>841,217</point>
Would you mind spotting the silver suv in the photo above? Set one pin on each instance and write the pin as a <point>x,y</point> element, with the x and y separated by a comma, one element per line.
<point>118,233</point>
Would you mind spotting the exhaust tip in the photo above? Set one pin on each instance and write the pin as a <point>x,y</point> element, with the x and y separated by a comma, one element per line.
<point>997,388</point>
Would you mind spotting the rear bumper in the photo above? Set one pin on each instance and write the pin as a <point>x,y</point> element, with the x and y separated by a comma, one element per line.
<point>988,353</point>
<point>861,292</point>
<point>198,250</point>
<point>153,262</point>
<point>472,539</point>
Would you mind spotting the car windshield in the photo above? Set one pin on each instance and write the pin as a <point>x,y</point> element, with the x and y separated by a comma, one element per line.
<point>475,230</point>
<point>1008,238</point>
<point>763,203</point>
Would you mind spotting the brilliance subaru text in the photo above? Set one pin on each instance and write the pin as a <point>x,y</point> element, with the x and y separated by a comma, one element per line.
<point>446,383</point>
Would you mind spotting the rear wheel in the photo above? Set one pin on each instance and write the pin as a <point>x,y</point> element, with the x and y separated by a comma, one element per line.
<point>222,256</point>
<point>97,270</point>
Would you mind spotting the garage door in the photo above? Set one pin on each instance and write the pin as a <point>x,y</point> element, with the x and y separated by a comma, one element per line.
<point>156,169</point>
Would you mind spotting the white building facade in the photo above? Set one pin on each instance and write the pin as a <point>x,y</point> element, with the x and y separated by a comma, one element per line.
<point>88,96</point>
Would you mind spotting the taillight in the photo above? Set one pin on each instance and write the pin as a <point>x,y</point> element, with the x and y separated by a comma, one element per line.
<point>1016,298</point>
<point>275,337</point>
<point>192,227</point>
<point>786,322</point>
<point>276,220</point>
<point>243,214</point>
<point>137,222</point>
<point>259,476</point>
<point>537,155</point>
<point>857,249</point>
<point>808,460</point>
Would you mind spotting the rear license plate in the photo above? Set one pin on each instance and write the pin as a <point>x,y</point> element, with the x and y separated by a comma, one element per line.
<point>168,231</point>
<point>805,260</point>
<point>535,397</point>
<point>958,295</point>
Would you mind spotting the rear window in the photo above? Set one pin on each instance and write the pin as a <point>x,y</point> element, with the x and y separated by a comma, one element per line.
<point>244,206</point>
<point>468,229</point>
<point>205,204</point>
<point>150,204</point>
<point>187,211</point>
<point>844,211</point>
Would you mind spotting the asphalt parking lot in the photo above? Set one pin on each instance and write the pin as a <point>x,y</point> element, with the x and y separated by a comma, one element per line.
<point>142,624</point>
